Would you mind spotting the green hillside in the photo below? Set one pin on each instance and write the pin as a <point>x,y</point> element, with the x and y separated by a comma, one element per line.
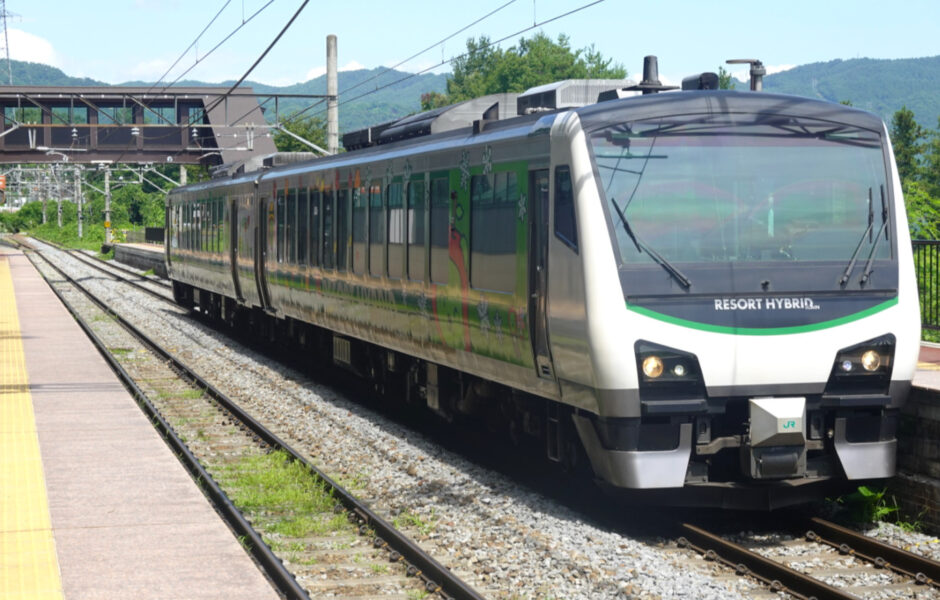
<point>880,86</point>
<point>367,96</point>
<point>876,85</point>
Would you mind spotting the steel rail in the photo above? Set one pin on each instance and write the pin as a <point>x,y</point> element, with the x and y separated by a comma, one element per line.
<point>138,283</point>
<point>94,263</point>
<point>438,578</point>
<point>282,579</point>
<point>779,577</point>
<point>113,264</point>
<point>924,570</point>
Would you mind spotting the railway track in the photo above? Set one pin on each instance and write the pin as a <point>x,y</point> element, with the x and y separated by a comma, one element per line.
<point>155,287</point>
<point>312,537</point>
<point>825,562</point>
<point>877,584</point>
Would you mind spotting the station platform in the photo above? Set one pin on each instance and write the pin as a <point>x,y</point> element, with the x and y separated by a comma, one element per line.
<point>93,504</point>
<point>928,367</point>
<point>142,256</point>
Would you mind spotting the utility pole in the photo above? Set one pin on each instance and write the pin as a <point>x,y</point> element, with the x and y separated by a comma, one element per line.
<point>78,201</point>
<point>58,197</point>
<point>42,195</point>
<point>332,110</point>
<point>107,204</point>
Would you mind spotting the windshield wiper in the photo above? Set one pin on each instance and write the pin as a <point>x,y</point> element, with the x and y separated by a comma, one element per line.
<point>869,265</point>
<point>871,221</point>
<point>641,246</point>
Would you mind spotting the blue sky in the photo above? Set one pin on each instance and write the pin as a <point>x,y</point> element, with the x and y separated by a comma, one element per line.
<point>122,40</point>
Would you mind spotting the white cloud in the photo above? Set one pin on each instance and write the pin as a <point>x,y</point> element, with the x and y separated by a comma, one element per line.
<point>314,73</point>
<point>351,66</point>
<point>779,68</point>
<point>28,47</point>
<point>744,73</point>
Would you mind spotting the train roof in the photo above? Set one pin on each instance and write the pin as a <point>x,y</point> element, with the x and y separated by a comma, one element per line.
<point>596,116</point>
<point>455,125</point>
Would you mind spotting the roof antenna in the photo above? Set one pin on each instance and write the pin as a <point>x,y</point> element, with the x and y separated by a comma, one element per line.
<point>757,71</point>
<point>651,83</point>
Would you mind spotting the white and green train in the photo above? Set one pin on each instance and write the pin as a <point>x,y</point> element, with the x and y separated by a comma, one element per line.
<point>709,294</point>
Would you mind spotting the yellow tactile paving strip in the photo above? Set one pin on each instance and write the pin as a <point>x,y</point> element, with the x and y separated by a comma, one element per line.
<point>28,564</point>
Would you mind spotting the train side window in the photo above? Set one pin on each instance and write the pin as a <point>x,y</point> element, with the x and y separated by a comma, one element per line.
<point>290,228</point>
<point>342,228</point>
<point>202,225</point>
<point>218,225</point>
<point>315,213</point>
<point>566,228</point>
<point>303,225</point>
<point>327,246</point>
<point>188,220</point>
<point>359,231</point>
<point>493,232</point>
<point>440,229</point>
<point>280,219</point>
<point>396,237</point>
<point>417,209</point>
<point>376,230</point>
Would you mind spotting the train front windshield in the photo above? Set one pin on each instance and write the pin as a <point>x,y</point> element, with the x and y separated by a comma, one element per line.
<point>754,193</point>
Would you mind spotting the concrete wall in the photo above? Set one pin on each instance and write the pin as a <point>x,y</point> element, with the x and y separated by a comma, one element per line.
<point>917,486</point>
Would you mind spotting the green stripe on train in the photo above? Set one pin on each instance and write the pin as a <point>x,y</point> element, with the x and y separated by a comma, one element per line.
<point>763,331</point>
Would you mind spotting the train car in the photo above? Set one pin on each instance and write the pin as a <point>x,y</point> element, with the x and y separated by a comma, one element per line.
<point>710,295</point>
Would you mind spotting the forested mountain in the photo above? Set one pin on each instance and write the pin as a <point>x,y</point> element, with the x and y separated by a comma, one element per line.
<point>881,86</point>
<point>876,85</point>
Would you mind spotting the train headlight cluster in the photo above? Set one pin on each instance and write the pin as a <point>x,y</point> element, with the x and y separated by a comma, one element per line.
<point>871,360</point>
<point>652,366</point>
<point>863,368</point>
<point>667,372</point>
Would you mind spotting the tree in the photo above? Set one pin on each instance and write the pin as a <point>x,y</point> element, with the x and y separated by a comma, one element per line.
<point>906,136</point>
<point>485,69</point>
<point>725,81</point>
<point>931,167</point>
<point>432,100</point>
<point>312,129</point>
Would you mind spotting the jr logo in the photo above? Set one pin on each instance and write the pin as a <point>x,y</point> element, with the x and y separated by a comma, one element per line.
<point>789,425</point>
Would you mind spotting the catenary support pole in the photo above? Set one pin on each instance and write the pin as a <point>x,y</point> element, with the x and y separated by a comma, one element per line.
<point>107,205</point>
<point>332,109</point>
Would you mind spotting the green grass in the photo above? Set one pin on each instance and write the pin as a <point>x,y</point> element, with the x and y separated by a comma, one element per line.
<point>121,351</point>
<point>407,519</point>
<point>275,481</point>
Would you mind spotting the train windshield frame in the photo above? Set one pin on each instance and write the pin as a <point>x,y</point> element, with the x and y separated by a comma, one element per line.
<point>745,192</point>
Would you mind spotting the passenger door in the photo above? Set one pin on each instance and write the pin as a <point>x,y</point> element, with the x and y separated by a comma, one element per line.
<point>265,208</point>
<point>233,246</point>
<point>538,272</point>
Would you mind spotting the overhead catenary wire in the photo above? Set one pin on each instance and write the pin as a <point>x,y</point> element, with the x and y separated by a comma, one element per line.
<point>452,59</point>
<point>219,99</point>
<point>216,47</point>
<point>434,45</point>
<point>194,42</point>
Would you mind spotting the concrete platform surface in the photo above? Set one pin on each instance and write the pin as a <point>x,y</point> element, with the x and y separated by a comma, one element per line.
<point>127,520</point>
<point>928,367</point>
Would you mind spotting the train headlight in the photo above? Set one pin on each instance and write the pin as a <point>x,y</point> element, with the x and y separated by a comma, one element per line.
<point>863,368</point>
<point>652,366</point>
<point>667,373</point>
<point>871,360</point>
